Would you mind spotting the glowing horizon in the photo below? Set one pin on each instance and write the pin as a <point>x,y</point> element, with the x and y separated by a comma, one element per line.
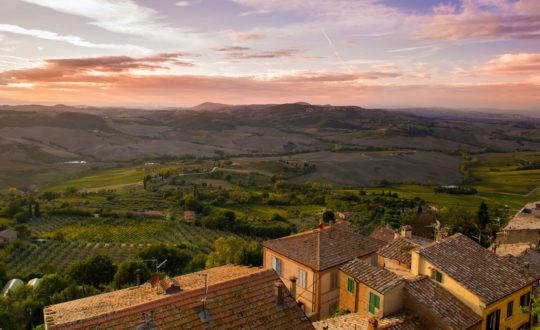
<point>371,53</point>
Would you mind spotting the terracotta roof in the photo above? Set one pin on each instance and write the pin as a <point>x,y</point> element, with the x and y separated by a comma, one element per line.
<point>357,321</point>
<point>531,257</point>
<point>238,297</point>
<point>513,249</point>
<point>384,234</point>
<point>482,272</point>
<point>527,218</point>
<point>8,234</point>
<point>378,279</point>
<point>400,249</point>
<point>326,247</point>
<point>441,304</point>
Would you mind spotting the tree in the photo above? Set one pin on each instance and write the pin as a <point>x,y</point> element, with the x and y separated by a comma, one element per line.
<point>22,217</point>
<point>535,309</point>
<point>48,286</point>
<point>3,276</point>
<point>97,271</point>
<point>227,250</point>
<point>198,262</point>
<point>22,232</point>
<point>482,219</point>
<point>328,216</point>
<point>177,259</point>
<point>37,211</point>
<point>72,292</point>
<point>127,273</point>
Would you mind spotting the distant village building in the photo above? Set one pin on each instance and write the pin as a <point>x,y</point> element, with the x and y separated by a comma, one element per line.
<point>309,263</point>
<point>7,236</point>
<point>154,214</point>
<point>521,233</point>
<point>190,215</point>
<point>345,216</point>
<point>235,297</point>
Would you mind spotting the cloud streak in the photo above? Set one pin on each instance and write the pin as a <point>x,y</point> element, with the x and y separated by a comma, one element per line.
<point>121,16</point>
<point>74,40</point>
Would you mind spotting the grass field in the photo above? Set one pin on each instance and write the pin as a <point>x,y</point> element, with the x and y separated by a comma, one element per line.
<point>494,176</point>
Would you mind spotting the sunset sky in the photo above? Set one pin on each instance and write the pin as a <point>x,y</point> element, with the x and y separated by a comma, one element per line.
<point>372,53</point>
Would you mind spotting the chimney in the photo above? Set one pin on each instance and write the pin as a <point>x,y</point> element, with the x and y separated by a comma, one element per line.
<point>293,286</point>
<point>280,298</point>
<point>526,269</point>
<point>373,323</point>
<point>406,231</point>
<point>170,285</point>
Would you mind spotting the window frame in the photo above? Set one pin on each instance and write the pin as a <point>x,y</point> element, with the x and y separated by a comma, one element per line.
<point>527,298</point>
<point>277,265</point>
<point>302,278</point>
<point>334,280</point>
<point>509,309</point>
<point>437,276</point>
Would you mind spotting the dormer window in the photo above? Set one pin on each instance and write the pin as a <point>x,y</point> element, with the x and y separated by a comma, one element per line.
<point>436,275</point>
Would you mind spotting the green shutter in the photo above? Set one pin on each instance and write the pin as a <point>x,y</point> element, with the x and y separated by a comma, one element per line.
<point>374,302</point>
<point>350,285</point>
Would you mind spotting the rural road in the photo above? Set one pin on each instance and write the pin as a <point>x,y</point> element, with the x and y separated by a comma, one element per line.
<point>198,173</point>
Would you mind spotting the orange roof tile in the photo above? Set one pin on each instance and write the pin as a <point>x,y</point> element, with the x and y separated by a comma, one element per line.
<point>238,297</point>
<point>378,279</point>
<point>441,304</point>
<point>359,321</point>
<point>325,247</point>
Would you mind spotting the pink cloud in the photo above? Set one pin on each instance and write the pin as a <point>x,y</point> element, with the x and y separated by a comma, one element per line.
<point>483,18</point>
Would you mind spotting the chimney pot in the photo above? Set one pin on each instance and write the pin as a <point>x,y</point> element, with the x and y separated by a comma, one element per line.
<point>526,269</point>
<point>406,231</point>
<point>280,298</point>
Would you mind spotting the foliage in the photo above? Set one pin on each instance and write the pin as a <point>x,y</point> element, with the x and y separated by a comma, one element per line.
<point>23,232</point>
<point>97,271</point>
<point>126,275</point>
<point>232,250</point>
<point>177,259</point>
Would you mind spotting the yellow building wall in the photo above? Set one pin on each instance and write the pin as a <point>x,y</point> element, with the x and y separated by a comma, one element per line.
<point>517,319</point>
<point>347,300</point>
<point>291,268</point>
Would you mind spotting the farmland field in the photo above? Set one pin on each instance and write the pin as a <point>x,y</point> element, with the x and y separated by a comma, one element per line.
<point>60,255</point>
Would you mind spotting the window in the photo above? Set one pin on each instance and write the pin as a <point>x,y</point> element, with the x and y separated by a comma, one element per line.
<point>276,265</point>
<point>375,261</point>
<point>493,320</point>
<point>334,281</point>
<point>350,285</point>
<point>510,309</point>
<point>302,278</point>
<point>437,276</point>
<point>525,300</point>
<point>374,303</point>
